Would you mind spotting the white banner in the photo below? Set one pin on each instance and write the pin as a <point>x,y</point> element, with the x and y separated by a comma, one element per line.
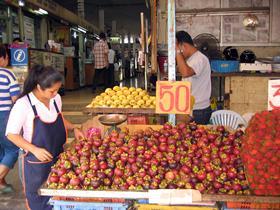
<point>29,31</point>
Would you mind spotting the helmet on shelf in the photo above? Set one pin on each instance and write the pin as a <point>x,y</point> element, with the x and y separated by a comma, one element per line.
<point>230,53</point>
<point>247,56</point>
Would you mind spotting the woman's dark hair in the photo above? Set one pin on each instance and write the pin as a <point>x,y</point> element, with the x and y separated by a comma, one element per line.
<point>3,51</point>
<point>184,37</point>
<point>45,76</point>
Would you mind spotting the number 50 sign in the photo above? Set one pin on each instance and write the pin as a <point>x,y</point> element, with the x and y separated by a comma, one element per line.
<point>173,97</point>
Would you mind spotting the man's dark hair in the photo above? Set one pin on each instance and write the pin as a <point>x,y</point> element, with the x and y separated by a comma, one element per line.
<point>17,40</point>
<point>102,36</point>
<point>184,37</point>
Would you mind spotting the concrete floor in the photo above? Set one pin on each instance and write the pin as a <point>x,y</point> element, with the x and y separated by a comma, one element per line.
<point>73,104</point>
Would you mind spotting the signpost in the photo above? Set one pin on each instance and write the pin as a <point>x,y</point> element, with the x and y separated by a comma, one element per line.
<point>171,30</point>
<point>19,61</point>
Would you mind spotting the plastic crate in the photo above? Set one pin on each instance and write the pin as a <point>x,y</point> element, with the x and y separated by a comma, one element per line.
<point>94,200</point>
<point>71,205</point>
<point>159,207</point>
<point>223,66</point>
<point>137,120</point>
<point>249,205</point>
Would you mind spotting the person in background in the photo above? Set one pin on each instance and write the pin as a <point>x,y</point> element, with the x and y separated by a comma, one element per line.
<point>37,113</point>
<point>9,91</point>
<point>195,68</point>
<point>101,64</point>
<point>17,40</point>
<point>111,72</point>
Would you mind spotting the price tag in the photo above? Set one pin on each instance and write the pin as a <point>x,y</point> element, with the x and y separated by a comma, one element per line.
<point>273,94</point>
<point>173,97</point>
<point>174,196</point>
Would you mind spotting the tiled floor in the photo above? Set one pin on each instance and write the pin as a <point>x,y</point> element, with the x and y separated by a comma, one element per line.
<point>73,104</point>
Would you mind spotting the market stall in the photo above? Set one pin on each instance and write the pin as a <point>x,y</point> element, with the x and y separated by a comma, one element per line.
<point>169,166</point>
<point>101,180</point>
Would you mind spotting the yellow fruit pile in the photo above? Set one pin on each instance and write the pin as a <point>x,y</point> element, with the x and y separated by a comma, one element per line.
<point>124,97</point>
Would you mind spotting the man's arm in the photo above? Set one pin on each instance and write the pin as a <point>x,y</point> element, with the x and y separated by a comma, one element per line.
<point>184,68</point>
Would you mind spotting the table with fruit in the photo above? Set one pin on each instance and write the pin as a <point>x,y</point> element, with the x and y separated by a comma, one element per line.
<point>123,100</point>
<point>223,165</point>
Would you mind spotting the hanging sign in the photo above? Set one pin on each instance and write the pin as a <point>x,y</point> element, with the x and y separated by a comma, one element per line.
<point>19,57</point>
<point>173,97</point>
<point>273,94</point>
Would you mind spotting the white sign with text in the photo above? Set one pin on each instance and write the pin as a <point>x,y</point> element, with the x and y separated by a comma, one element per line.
<point>273,94</point>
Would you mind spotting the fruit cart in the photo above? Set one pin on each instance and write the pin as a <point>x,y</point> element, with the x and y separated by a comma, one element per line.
<point>188,197</point>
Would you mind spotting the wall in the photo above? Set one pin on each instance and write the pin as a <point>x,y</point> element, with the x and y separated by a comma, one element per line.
<point>228,29</point>
<point>261,51</point>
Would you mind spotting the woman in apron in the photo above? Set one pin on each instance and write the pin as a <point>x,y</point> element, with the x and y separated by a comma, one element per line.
<point>38,113</point>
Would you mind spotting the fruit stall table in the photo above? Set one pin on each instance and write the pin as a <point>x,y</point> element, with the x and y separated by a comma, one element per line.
<point>139,114</point>
<point>135,195</point>
<point>108,110</point>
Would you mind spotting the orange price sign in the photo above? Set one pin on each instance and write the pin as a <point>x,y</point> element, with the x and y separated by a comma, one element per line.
<point>173,97</point>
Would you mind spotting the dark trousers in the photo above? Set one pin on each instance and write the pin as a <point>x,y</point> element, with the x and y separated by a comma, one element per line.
<point>100,74</point>
<point>202,116</point>
<point>111,75</point>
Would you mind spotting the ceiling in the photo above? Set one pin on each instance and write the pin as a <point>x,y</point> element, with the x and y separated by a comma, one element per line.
<point>72,4</point>
<point>125,12</point>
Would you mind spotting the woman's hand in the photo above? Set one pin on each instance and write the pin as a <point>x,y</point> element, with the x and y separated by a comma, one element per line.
<point>78,134</point>
<point>42,154</point>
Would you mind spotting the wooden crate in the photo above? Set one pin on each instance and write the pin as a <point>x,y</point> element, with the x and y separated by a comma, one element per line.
<point>247,94</point>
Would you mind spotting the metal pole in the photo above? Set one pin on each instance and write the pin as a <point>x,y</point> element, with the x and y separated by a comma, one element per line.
<point>21,24</point>
<point>146,53</point>
<point>142,32</point>
<point>9,25</point>
<point>171,29</point>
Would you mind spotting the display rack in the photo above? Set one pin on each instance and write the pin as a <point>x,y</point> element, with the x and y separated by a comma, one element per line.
<point>93,111</point>
<point>145,195</point>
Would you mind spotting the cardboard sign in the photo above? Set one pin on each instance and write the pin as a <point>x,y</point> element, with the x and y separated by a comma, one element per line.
<point>19,57</point>
<point>273,94</point>
<point>173,97</point>
<point>174,196</point>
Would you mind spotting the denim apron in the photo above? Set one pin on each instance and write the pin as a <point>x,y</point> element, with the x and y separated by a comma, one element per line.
<point>52,137</point>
